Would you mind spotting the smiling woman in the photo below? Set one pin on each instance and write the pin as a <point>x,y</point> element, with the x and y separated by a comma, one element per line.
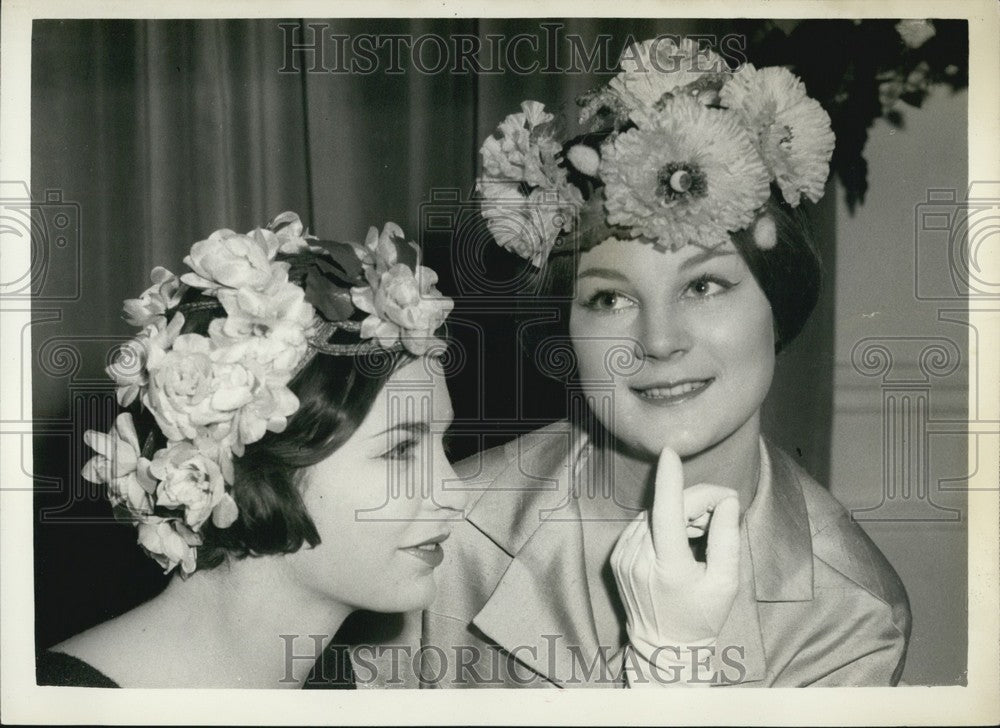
<point>657,539</point>
<point>285,463</point>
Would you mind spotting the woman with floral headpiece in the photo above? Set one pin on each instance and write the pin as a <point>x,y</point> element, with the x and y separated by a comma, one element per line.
<point>672,237</point>
<point>287,406</point>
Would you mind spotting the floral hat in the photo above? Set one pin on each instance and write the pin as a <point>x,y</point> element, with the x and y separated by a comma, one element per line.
<point>284,295</point>
<point>680,149</point>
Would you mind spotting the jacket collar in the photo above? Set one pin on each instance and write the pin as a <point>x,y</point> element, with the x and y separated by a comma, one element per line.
<point>540,611</point>
<point>777,527</point>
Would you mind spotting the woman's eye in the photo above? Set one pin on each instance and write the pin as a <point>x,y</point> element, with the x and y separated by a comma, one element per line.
<point>708,285</point>
<point>402,451</point>
<point>609,301</point>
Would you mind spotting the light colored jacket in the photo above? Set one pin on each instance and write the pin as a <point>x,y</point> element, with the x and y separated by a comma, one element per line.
<point>818,604</point>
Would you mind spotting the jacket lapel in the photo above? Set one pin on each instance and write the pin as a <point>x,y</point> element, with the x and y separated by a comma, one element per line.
<point>780,543</point>
<point>777,567</point>
<point>540,611</point>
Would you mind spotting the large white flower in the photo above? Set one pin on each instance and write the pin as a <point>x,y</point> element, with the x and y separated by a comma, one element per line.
<point>119,464</point>
<point>155,301</point>
<point>257,398</point>
<point>790,130</point>
<point>181,385</point>
<point>688,174</point>
<point>193,482</point>
<point>197,387</point>
<point>661,66</point>
<point>170,542</point>
<point>227,259</point>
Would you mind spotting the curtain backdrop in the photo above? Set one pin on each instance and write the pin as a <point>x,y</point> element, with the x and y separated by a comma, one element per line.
<point>163,131</point>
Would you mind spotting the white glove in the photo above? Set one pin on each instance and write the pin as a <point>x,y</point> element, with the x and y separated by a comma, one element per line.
<point>674,604</point>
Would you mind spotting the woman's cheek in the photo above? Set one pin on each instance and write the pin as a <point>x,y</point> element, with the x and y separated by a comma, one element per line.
<point>594,346</point>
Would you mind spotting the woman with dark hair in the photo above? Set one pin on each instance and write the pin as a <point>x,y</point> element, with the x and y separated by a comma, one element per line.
<point>656,538</point>
<point>278,459</point>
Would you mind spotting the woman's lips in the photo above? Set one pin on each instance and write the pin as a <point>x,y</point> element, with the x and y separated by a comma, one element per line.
<point>672,393</point>
<point>430,551</point>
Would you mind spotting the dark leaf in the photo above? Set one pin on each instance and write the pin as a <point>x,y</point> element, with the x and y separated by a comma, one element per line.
<point>341,259</point>
<point>332,301</point>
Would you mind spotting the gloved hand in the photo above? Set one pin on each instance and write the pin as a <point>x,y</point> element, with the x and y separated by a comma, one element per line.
<point>671,600</point>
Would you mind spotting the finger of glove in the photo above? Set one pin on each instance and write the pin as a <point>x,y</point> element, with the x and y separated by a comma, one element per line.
<point>669,530</point>
<point>700,500</point>
<point>723,557</point>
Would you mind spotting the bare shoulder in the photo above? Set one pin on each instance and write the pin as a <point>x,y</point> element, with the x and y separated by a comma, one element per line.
<point>121,647</point>
<point>104,647</point>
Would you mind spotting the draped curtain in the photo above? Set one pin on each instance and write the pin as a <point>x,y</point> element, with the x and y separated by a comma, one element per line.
<point>163,131</point>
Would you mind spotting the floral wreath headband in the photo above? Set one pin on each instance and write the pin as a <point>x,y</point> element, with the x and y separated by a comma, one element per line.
<point>675,155</point>
<point>285,296</point>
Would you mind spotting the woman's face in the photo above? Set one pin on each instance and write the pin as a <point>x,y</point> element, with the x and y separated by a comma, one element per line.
<point>682,341</point>
<point>385,501</point>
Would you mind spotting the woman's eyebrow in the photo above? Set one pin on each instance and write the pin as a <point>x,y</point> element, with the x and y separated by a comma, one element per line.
<point>413,428</point>
<point>704,255</point>
<point>602,273</point>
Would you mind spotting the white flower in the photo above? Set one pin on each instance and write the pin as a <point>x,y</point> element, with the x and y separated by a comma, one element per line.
<point>403,302</point>
<point>687,174</point>
<point>790,130</point>
<point>527,225</point>
<point>119,464</point>
<point>197,388</point>
<point>518,151</point>
<point>193,482</point>
<point>231,260</point>
<point>275,318</point>
<point>661,66</point>
<point>129,367</point>
<point>256,398</point>
<point>155,301</point>
<point>180,388</point>
<point>217,444</point>
<point>291,234</point>
<point>379,250</point>
<point>915,32</point>
<point>170,542</point>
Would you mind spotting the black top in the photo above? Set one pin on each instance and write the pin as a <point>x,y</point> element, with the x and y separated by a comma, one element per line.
<point>58,668</point>
<point>333,671</point>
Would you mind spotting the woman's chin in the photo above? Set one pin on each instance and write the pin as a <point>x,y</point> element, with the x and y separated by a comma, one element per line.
<point>412,598</point>
<point>650,435</point>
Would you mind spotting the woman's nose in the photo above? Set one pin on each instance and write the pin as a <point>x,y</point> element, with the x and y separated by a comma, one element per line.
<point>664,334</point>
<point>448,494</point>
